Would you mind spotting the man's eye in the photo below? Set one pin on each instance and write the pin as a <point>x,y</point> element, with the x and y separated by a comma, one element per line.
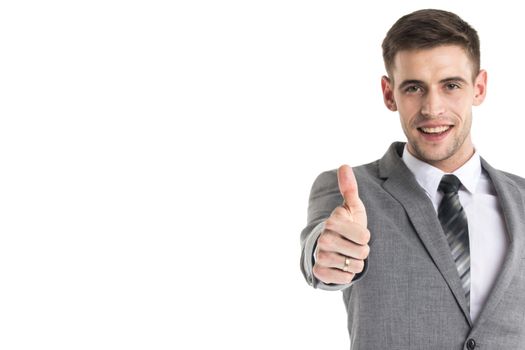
<point>452,86</point>
<point>412,89</point>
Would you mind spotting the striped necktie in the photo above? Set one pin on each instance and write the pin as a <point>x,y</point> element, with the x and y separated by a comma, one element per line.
<point>454,222</point>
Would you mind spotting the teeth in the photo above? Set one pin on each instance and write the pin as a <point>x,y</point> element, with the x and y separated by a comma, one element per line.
<point>436,130</point>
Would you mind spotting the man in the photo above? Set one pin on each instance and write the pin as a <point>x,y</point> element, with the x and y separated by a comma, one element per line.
<point>427,243</point>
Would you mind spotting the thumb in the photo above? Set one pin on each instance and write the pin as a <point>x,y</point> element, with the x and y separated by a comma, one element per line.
<point>349,191</point>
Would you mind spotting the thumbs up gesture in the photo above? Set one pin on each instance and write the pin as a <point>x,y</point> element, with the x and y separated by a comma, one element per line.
<point>343,245</point>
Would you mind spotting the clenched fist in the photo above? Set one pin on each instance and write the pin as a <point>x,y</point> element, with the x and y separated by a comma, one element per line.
<point>343,245</point>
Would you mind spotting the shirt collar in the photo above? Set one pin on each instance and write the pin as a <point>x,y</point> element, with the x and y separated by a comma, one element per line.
<point>429,176</point>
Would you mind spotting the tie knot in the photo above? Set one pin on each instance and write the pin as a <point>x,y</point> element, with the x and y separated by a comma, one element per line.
<point>449,184</point>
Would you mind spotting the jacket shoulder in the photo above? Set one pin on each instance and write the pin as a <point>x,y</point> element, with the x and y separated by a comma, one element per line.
<point>363,173</point>
<point>518,180</point>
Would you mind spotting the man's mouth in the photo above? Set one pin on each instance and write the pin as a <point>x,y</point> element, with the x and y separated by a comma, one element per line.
<point>435,130</point>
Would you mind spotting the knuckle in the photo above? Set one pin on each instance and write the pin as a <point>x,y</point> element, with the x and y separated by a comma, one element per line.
<point>339,212</point>
<point>321,273</point>
<point>360,265</point>
<point>360,234</point>
<point>318,271</point>
<point>322,257</point>
<point>366,251</point>
<point>329,223</point>
<point>324,240</point>
<point>349,276</point>
<point>363,252</point>
<point>365,236</point>
<point>336,212</point>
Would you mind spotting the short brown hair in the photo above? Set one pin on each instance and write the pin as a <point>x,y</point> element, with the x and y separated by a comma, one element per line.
<point>425,29</point>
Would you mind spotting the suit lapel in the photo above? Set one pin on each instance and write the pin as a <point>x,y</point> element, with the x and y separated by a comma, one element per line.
<point>511,201</point>
<point>402,185</point>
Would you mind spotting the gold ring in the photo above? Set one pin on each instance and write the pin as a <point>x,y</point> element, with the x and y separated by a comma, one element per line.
<point>347,264</point>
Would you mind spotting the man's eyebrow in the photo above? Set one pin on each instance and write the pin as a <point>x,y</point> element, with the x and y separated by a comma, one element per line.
<point>453,79</point>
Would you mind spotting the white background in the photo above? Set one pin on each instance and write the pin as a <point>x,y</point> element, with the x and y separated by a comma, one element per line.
<point>156,159</point>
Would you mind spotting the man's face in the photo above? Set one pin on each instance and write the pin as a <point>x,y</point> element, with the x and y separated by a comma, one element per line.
<point>434,91</point>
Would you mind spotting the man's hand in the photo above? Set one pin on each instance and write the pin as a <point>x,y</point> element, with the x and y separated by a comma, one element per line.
<point>343,245</point>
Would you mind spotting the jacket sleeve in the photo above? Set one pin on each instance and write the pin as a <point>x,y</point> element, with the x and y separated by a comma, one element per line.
<point>324,198</point>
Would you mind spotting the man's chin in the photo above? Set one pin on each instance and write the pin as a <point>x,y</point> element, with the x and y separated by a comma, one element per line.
<point>431,154</point>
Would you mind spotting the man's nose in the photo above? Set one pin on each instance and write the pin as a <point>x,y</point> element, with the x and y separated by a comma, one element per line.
<point>433,104</point>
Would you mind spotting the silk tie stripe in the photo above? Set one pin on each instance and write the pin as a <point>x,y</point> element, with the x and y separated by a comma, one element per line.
<point>454,222</point>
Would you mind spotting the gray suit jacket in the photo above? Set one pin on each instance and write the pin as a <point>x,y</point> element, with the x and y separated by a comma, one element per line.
<point>409,295</point>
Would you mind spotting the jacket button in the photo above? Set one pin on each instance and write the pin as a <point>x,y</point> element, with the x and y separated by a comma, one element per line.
<point>471,344</point>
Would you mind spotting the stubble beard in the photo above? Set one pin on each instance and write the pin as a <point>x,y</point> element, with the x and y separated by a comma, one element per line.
<point>431,155</point>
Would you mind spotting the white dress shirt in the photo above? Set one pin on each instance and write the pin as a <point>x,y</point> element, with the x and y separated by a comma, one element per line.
<point>486,227</point>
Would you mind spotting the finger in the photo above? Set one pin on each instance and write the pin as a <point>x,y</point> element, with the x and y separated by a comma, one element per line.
<point>349,190</point>
<point>334,260</point>
<point>333,242</point>
<point>348,229</point>
<point>347,184</point>
<point>329,275</point>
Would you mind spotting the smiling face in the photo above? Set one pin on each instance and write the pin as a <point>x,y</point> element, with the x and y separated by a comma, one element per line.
<point>434,91</point>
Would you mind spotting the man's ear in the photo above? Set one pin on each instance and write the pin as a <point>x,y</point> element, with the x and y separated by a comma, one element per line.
<point>388,93</point>
<point>480,88</point>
